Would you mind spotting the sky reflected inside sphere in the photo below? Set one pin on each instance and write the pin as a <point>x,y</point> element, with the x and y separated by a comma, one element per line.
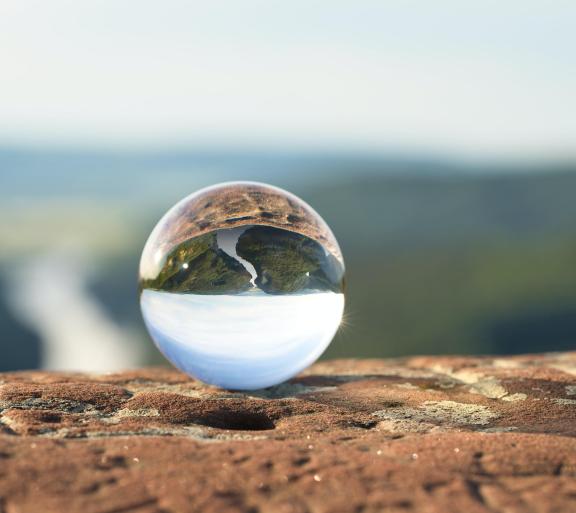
<point>247,341</point>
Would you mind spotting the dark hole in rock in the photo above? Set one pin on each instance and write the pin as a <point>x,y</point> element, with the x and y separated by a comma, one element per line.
<point>362,424</point>
<point>235,219</point>
<point>51,418</point>
<point>238,420</point>
<point>108,462</point>
<point>293,218</point>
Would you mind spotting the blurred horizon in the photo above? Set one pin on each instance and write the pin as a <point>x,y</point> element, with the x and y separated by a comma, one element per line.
<point>443,256</point>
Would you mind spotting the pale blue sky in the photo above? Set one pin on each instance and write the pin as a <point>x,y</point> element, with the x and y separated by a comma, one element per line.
<point>477,77</point>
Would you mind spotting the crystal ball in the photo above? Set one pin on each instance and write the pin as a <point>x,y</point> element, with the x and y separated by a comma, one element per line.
<point>242,285</point>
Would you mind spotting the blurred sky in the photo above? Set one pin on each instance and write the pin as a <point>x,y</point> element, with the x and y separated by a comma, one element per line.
<point>474,77</point>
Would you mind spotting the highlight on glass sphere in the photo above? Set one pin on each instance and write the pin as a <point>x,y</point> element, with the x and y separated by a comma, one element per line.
<point>242,285</point>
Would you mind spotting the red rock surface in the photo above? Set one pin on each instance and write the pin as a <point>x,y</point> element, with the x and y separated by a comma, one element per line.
<point>427,434</point>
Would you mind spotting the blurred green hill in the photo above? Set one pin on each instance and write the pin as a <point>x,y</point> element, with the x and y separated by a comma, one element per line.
<point>441,257</point>
<point>456,264</point>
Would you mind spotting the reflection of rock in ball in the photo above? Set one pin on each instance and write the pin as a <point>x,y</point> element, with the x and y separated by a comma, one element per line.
<point>242,285</point>
<point>232,205</point>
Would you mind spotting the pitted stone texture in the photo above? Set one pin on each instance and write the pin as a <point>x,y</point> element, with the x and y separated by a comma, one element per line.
<point>425,434</point>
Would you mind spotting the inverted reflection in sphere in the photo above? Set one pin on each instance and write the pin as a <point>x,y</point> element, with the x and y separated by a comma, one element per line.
<point>242,285</point>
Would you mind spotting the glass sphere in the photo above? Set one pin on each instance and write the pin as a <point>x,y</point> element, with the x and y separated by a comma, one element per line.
<point>242,285</point>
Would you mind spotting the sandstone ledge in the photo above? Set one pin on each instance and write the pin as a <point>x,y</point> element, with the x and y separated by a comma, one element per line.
<point>426,434</point>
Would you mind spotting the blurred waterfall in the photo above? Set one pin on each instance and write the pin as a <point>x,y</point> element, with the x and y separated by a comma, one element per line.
<point>49,293</point>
